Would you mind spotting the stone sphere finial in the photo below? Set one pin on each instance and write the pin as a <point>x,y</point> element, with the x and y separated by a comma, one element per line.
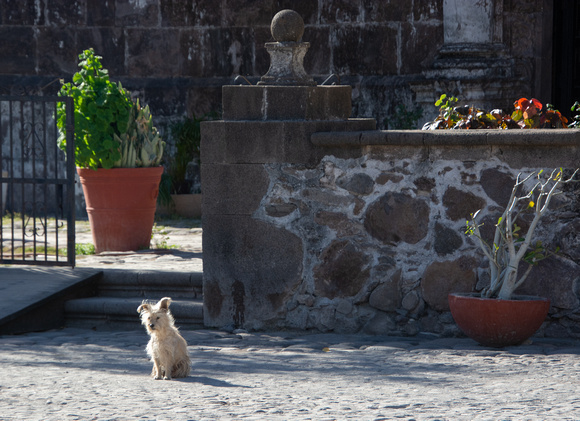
<point>287,26</point>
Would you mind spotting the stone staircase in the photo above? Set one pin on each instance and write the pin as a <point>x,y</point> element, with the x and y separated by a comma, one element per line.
<point>120,292</point>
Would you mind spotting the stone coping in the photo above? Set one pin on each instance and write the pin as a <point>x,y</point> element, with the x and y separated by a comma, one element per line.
<point>424,138</point>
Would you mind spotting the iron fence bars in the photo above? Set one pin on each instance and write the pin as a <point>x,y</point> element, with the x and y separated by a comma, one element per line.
<point>37,224</point>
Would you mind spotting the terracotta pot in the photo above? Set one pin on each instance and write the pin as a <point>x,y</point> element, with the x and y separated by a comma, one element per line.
<point>498,323</point>
<point>121,205</point>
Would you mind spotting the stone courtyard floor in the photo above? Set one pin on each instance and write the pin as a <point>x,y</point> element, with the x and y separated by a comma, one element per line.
<point>76,374</point>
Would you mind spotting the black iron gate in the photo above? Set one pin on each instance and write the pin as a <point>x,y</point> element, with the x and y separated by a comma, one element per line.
<point>37,194</point>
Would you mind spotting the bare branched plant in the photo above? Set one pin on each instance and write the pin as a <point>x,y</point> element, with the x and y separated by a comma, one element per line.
<point>510,245</point>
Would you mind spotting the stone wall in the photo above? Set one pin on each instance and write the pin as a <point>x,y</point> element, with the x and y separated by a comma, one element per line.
<point>315,224</point>
<point>176,55</point>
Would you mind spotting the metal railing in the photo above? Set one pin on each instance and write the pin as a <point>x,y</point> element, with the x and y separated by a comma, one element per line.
<point>37,200</point>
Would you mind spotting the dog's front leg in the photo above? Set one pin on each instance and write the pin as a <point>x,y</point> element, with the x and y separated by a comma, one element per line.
<point>156,373</point>
<point>167,372</point>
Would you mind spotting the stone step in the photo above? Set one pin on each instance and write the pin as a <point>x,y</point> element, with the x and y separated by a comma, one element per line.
<point>151,285</point>
<point>101,313</point>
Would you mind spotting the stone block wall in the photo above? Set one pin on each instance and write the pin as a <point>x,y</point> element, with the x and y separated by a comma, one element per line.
<point>176,55</point>
<point>312,224</point>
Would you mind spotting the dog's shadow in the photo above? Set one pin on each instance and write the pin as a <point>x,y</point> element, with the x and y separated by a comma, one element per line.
<point>208,381</point>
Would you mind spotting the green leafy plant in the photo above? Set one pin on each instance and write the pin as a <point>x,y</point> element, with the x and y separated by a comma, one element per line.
<point>110,129</point>
<point>575,109</point>
<point>403,119</point>
<point>528,114</point>
<point>160,237</point>
<point>187,135</point>
<point>84,249</point>
<point>511,244</point>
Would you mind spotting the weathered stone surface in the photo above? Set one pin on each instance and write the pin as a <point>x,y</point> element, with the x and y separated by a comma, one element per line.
<point>374,45</point>
<point>387,296</point>
<point>287,26</point>
<point>410,301</point>
<point>384,178</point>
<point>442,278</point>
<point>460,204</point>
<point>185,13</point>
<point>129,13</point>
<point>212,299</point>
<point>100,13</point>
<point>497,185</point>
<point>556,279</point>
<point>425,184</point>
<point>268,102</point>
<point>360,184</point>
<point>17,50</point>
<point>153,52</point>
<point>233,189</point>
<point>446,240</point>
<point>380,324</point>
<point>398,217</point>
<point>254,278</point>
<point>568,239</point>
<point>280,210</point>
<point>342,272</point>
<point>340,223</point>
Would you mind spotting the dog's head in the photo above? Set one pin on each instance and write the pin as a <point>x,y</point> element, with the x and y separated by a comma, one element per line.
<point>156,317</point>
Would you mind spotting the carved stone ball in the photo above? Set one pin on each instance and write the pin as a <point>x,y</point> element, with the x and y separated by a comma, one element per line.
<point>287,26</point>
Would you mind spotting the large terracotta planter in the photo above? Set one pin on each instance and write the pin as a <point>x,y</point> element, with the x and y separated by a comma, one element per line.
<point>498,323</point>
<point>121,205</point>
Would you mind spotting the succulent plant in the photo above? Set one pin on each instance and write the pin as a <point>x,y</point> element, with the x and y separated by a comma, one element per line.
<point>140,145</point>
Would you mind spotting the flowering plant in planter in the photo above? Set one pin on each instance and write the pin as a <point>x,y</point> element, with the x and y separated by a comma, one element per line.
<point>528,114</point>
<point>510,244</point>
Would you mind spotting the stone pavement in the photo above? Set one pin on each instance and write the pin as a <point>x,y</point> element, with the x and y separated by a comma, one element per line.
<point>76,374</point>
<point>176,245</point>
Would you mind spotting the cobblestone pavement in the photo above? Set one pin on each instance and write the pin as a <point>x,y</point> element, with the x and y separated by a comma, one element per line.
<point>175,244</point>
<point>76,374</point>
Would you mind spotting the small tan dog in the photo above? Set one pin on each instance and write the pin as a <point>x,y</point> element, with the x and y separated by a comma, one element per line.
<point>167,348</point>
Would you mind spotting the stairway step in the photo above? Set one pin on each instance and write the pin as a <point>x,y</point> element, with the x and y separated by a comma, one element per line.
<point>121,313</point>
<point>151,284</point>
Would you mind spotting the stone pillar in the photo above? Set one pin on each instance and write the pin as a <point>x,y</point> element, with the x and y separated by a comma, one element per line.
<point>473,62</point>
<point>251,266</point>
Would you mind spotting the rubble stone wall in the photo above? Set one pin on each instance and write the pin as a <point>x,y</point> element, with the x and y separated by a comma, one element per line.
<point>365,232</point>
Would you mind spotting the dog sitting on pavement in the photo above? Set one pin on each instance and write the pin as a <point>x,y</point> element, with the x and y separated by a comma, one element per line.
<point>166,347</point>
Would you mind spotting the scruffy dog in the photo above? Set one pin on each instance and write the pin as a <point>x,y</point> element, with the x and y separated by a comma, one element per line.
<point>167,348</point>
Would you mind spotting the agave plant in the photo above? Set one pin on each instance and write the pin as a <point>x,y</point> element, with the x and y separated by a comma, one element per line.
<point>510,245</point>
<point>140,145</point>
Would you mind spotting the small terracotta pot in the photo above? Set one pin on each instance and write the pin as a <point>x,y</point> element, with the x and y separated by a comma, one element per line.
<point>121,205</point>
<point>498,323</point>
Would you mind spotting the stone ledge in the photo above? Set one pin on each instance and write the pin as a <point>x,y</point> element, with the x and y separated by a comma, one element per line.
<point>286,102</point>
<point>424,138</point>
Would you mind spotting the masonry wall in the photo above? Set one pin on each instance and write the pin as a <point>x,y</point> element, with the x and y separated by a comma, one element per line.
<point>315,224</point>
<point>176,55</point>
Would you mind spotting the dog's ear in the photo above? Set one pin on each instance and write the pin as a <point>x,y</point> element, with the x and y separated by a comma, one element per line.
<point>163,304</point>
<point>144,307</point>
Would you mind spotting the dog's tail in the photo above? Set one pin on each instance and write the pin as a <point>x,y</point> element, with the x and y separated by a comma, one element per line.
<point>181,369</point>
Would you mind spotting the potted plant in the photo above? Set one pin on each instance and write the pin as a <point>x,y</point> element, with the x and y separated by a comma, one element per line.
<point>117,153</point>
<point>496,316</point>
<point>180,191</point>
